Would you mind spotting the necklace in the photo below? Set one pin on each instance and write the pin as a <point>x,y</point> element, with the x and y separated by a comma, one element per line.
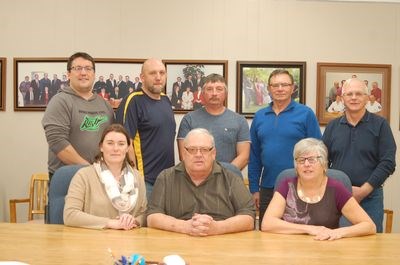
<point>306,199</point>
<point>313,199</point>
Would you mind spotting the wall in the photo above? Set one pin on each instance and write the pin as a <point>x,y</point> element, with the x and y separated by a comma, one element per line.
<point>259,30</point>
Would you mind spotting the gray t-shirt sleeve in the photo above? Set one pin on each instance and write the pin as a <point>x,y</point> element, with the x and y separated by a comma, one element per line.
<point>184,127</point>
<point>244,132</point>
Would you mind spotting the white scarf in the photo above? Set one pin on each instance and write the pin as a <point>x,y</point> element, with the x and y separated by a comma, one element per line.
<point>124,201</point>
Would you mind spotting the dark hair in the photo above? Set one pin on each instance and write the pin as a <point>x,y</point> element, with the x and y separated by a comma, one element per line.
<point>280,72</point>
<point>83,55</point>
<point>115,127</point>
<point>213,78</point>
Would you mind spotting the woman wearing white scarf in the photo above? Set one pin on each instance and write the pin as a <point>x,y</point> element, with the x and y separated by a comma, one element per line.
<point>109,193</point>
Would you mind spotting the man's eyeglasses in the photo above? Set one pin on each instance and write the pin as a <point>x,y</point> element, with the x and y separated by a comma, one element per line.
<point>356,94</point>
<point>283,85</point>
<point>80,68</point>
<point>203,150</point>
<point>312,159</point>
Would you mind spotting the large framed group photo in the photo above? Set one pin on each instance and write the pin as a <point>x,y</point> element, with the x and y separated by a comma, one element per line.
<point>116,78</point>
<point>185,79</point>
<point>330,79</point>
<point>37,80</point>
<point>252,84</point>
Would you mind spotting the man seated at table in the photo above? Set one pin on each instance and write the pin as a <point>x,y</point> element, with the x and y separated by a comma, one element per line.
<point>198,196</point>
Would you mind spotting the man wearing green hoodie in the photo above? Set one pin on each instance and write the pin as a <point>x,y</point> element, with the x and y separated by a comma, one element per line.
<point>76,117</point>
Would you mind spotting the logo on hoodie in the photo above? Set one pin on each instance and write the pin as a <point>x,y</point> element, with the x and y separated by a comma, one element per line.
<point>92,123</point>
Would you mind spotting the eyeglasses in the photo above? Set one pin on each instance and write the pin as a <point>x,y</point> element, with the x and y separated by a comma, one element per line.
<point>312,159</point>
<point>80,68</point>
<point>203,150</point>
<point>283,85</point>
<point>356,94</point>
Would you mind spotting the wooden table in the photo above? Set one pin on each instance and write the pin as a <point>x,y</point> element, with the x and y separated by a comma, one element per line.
<point>58,244</point>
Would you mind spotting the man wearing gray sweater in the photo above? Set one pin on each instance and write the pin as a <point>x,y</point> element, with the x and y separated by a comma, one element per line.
<point>76,117</point>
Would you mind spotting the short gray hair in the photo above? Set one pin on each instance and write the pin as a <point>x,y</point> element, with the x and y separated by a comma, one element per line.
<point>214,78</point>
<point>308,145</point>
<point>348,82</point>
<point>199,131</point>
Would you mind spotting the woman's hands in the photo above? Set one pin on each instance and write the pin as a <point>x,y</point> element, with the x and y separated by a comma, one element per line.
<point>125,222</point>
<point>324,233</point>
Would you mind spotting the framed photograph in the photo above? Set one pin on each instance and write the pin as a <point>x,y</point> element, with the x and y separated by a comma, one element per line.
<point>330,78</point>
<point>3,64</point>
<point>185,79</point>
<point>116,78</point>
<point>252,84</point>
<point>37,80</point>
<point>33,78</point>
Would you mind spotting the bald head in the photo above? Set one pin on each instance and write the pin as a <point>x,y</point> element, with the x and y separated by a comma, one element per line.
<point>150,63</point>
<point>153,77</point>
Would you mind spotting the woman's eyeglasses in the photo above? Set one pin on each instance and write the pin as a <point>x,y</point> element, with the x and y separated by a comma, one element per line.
<point>312,159</point>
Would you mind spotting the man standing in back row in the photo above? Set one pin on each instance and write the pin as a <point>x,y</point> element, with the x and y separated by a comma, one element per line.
<point>147,116</point>
<point>230,130</point>
<point>361,144</point>
<point>274,132</point>
<point>76,117</point>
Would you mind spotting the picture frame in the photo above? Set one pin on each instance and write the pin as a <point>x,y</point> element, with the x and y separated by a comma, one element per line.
<point>189,72</point>
<point>3,65</point>
<point>252,84</point>
<point>330,77</point>
<point>28,86</point>
<point>25,70</point>
<point>129,69</point>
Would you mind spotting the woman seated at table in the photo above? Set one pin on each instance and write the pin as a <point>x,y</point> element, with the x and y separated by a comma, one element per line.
<point>312,203</point>
<point>109,193</point>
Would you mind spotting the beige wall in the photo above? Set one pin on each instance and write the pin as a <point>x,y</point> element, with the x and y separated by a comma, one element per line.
<point>233,30</point>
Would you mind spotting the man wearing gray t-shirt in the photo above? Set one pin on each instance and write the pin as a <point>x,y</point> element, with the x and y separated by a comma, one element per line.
<point>230,130</point>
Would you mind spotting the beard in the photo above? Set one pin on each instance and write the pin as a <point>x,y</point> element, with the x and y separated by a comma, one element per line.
<point>155,89</point>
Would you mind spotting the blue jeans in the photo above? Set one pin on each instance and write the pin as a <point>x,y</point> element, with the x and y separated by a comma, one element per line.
<point>149,190</point>
<point>373,205</point>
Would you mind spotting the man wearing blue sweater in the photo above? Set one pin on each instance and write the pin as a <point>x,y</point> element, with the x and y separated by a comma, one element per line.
<point>274,132</point>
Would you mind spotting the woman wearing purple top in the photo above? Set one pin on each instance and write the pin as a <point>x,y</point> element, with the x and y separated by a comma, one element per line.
<point>311,202</point>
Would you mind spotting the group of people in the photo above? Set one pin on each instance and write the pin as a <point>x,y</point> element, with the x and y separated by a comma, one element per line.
<point>39,91</point>
<point>112,89</point>
<point>132,180</point>
<point>335,98</point>
<point>188,94</point>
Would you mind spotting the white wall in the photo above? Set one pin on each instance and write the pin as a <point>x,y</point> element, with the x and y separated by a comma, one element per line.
<point>256,30</point>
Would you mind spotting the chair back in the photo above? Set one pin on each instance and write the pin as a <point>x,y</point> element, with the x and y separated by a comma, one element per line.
<point>332,173</point>
<point>389,220</point>
<point>37,197</point>
<point>59,185</point>
<point>38,194</point>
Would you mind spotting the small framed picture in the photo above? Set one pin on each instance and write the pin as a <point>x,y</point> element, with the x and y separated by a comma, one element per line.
<point>3,64</point>
<point>185,80</point>
<point>252,84</point>
<point>330,79</point>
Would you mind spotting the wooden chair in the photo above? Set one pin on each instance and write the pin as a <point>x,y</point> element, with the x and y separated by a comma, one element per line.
<point>37,197</point>
<point>389,220</point>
